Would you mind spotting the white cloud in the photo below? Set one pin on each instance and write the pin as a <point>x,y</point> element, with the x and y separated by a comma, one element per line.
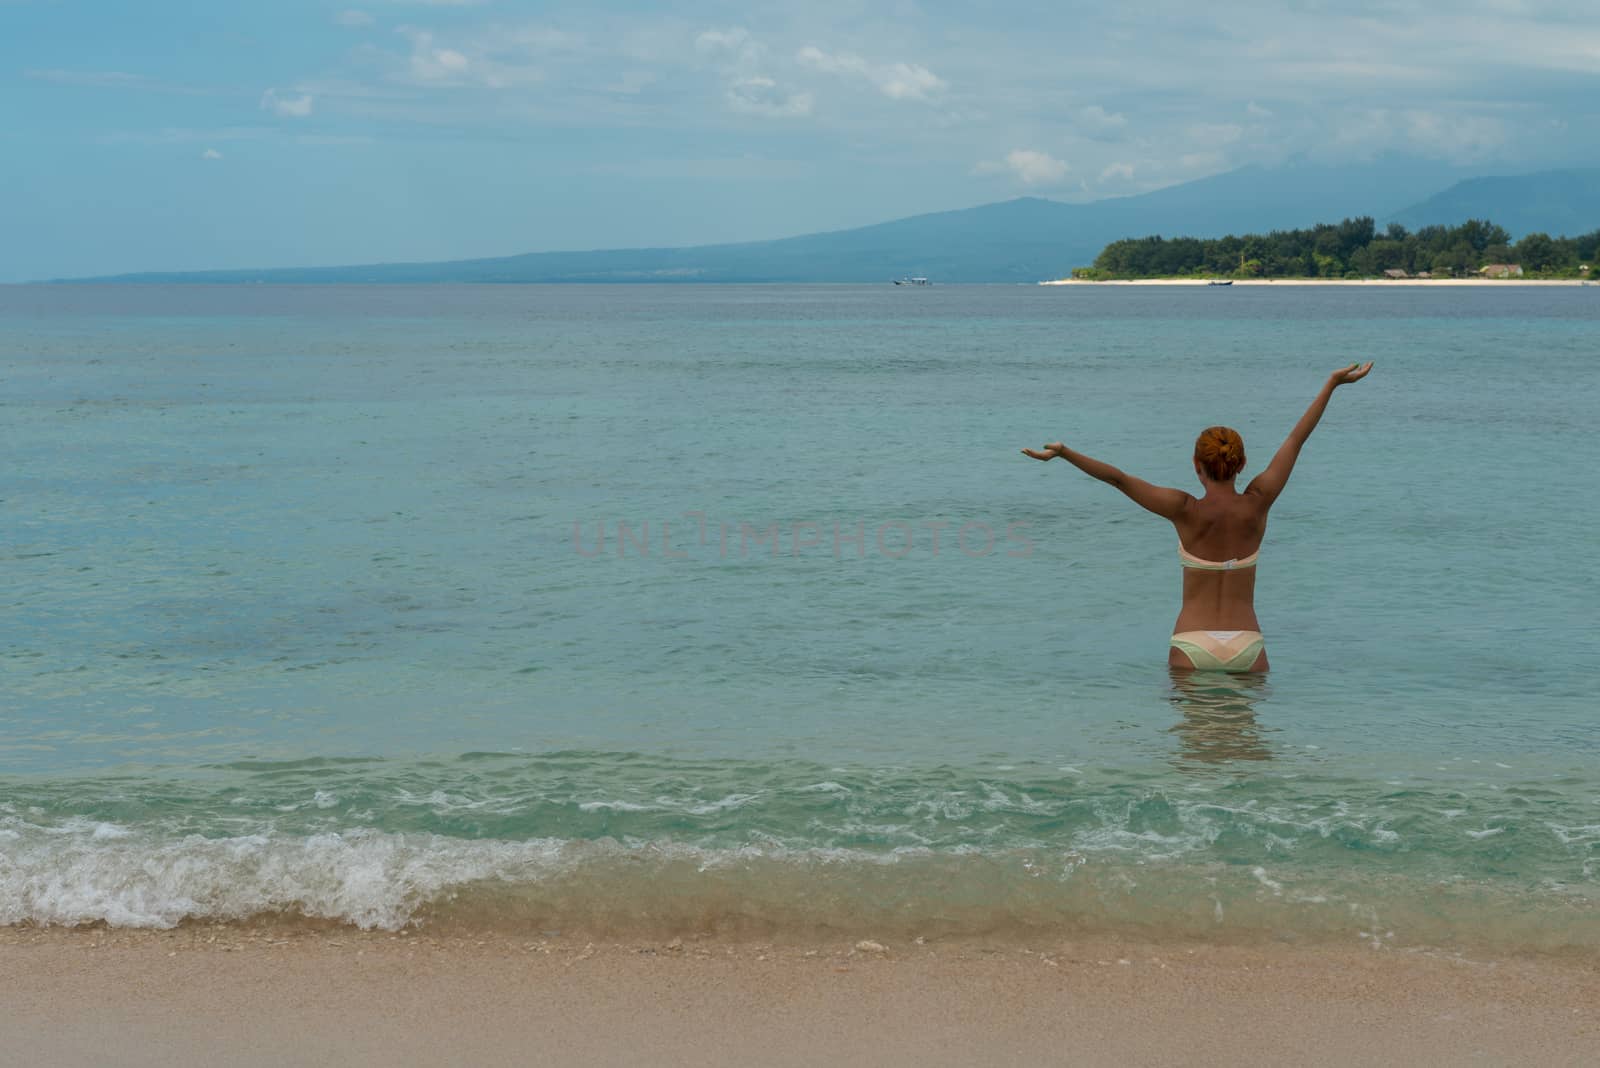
<point>493,60</point>
<point>897,81</point>
<point>747,88</point>
<point>1097,120</point>
<point>431,64</point>
<point>1111,91</point>
<point>211,153</point>
<point>1202,161</point>
<point>287,107</point>
<point>733,51</point>
<point>1036,168</point>
<point>819,59</point>
<point>761,96</point>
<point>340,89</point>
<point>1459,137</point>
<point>528,39</point>
<point>908,81</point>
<point>1215,133</point>
<point>712,42</point>
<point>1028,165</point>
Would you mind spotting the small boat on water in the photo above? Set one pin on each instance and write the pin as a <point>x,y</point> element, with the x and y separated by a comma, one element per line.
<point>1214,282</point>
<point>910,281</point>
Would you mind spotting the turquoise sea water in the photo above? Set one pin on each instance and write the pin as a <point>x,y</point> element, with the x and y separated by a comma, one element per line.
<point>318,602</point>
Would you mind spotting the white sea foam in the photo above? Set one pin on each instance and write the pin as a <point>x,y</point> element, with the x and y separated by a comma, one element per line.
<point>1149,845</point>
<point>615,806</point>
<point>1270,883</point>
<point>367,878</point>
<point>1574,835</point>
<point>73,873</point>
<point>442,801</point>
<point>732,801</point>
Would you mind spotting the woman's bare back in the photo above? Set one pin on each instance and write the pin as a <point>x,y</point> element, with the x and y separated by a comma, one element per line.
<point>1223,525</point>
<point>1219,528</point>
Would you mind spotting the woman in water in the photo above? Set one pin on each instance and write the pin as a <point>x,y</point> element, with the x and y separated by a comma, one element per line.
<point>1219,534</point>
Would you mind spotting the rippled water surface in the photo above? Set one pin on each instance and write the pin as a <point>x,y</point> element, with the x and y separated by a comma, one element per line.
<point>676,606</point>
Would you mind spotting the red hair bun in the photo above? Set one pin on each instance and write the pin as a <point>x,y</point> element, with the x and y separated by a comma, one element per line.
<point>1219,450</point>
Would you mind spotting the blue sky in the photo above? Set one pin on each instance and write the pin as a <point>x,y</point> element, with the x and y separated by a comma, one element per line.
<point>167,136</point>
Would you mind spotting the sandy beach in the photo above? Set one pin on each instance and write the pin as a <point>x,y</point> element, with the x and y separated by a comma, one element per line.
<point>1381,282</point>
<point>259,996</point>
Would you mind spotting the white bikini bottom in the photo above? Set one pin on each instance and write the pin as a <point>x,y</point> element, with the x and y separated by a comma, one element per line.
<point>1220,650</point>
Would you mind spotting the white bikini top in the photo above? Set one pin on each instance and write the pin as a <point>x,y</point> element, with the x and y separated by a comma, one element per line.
<point>1190,560</point>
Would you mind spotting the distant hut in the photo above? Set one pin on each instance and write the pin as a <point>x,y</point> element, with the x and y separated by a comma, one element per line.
<point>1395,272</point>
<point>1424,274</point>
<point>1501,270</point>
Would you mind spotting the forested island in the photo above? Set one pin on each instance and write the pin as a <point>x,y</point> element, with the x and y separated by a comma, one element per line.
<point>1352,249</point>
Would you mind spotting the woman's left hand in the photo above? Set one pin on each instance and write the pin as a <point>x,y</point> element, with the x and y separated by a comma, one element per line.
<point>1047,452</point>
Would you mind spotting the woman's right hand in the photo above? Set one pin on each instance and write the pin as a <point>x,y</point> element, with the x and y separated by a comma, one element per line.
<point>1354,373</point>
<point>1047,452</point>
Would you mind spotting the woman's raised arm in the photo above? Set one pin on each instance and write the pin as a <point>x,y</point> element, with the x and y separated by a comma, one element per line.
<point>1164,501</point>
<point>1270,483</point>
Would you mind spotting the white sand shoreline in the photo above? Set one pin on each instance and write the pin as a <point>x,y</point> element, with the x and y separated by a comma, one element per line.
<point>1384,282</point>
<point>229,995</point>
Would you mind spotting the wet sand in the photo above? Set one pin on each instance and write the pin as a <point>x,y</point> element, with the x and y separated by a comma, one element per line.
<point>241,996</point>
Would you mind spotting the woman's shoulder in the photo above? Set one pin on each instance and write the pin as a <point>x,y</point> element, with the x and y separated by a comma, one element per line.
<point>1227,518</point>
<point>1216,508</point>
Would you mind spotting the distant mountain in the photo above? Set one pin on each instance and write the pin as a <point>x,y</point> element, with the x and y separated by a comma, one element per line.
<point>1559,203</point>
<point>1021,240</point>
